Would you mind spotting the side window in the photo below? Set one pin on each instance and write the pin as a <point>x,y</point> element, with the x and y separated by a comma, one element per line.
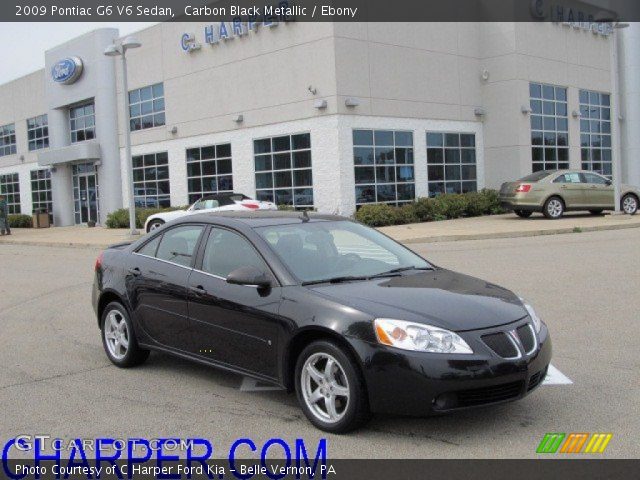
<point>178,244</point>
<point>593,178</point>
<point>226,251</point>
<point>568,178</point>
<point>151,247</point>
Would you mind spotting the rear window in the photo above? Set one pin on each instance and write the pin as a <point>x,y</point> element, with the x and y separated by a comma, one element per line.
<point>534,177</point>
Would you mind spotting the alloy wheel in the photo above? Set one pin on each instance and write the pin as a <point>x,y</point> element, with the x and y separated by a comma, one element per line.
<point>325,388</point>
<point>629,205</point>
<point>116,334</point>
<point>554,207</point>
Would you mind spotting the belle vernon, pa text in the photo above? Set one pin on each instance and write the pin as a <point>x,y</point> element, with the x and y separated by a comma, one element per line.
<point>189,10</point>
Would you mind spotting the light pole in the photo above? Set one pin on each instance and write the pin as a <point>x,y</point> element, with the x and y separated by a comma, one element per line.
<point>616,165</point>
<point>113,50</point>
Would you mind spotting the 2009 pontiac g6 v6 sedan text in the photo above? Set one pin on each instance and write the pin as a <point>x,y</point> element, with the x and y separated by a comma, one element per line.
<point>352,321</point>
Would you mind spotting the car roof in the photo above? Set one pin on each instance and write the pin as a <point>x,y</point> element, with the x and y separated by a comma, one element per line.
<point>254,219</point>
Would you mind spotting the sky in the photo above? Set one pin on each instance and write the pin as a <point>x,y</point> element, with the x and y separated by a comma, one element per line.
<point>22,45</point>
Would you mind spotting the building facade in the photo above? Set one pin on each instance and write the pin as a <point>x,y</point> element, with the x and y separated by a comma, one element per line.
<point>322,115</point>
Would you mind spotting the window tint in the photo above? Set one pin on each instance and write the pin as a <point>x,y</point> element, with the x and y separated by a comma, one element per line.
<point>534,177</point>
<point>178,244</point>
<point>151,247</point>
<point>227,251</point>
<point>593,178</point>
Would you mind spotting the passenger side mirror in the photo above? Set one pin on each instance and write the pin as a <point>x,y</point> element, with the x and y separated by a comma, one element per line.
<point>609,183</point>
<point>250,276</point>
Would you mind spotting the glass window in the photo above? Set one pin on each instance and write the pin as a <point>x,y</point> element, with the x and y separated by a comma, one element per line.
<point>595,132</point>
<point>568,178</point>
<point>283,170</point>
<point>593,178</point>
<point>151,180</point>
<point>7,139</point>
<point>451,163</point>
<point>227,251</point>
<point>146,107</point>
<point>41,191</point>
<point>549,127</point>
<point>178,244</point>
<point>38,132</point>
<point>82,122</point>
<point>209,170</point>
<point>383,164</point>
<point>151,247</point>
<point>318,251</point>
<point>10,188</point>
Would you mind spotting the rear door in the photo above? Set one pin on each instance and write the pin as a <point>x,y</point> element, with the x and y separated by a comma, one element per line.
<point>158,288</point>
<point>571,188</point>
<point>598,192</point>
<point>237,325</point>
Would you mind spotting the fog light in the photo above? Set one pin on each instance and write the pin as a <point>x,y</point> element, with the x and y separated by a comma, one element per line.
<point>444,401</point>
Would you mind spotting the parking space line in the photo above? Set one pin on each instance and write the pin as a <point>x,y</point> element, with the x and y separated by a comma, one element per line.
<point>556,377</point>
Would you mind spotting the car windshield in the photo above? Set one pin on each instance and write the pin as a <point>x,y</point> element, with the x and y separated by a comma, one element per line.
<point>338,250</point>
<point>537,176</point>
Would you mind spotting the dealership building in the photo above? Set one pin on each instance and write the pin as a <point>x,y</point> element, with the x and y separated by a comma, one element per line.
<point>322,115</point>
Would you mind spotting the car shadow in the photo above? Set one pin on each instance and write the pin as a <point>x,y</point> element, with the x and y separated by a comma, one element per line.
<point>536,216</point>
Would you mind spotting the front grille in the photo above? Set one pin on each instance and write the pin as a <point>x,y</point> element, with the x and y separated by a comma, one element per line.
<point>495,393</point>
<point>501,344</point>
<point>525,332</point>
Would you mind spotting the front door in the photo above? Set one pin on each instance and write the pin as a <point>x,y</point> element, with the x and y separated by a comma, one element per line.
<point>236,325</point>
<point>599,191</point>
<point>85,193</point>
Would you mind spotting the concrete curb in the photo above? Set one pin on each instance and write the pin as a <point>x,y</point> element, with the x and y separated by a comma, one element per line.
<point>528,233</point>
<point>411,240</point>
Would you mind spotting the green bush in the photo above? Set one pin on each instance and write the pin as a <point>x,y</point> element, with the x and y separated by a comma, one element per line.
<point>442,207</point>
<point>19,221</point>
<point>377,215</point>
<point>120,218</point>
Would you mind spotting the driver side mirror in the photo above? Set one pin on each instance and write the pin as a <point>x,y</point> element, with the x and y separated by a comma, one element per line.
<point>609,183</point>
<point>249,276</point>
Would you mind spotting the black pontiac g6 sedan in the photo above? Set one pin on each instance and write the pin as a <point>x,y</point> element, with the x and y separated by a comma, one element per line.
<point>352,321</point>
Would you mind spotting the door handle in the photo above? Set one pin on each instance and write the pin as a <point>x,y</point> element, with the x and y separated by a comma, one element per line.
<point>564,187</point>
<point>593,187</point>
<point>135,271</point>
<point>198,290</point>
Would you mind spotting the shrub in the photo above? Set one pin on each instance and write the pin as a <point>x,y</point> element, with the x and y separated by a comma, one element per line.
<point>377,215</point>
<point>442,207</point>
<point>19,221</point>
<point>120,218</point>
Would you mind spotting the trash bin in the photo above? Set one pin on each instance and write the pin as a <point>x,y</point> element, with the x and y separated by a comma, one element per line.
<point>40,219</point>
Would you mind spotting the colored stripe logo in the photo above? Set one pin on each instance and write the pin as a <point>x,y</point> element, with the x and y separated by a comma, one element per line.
<point>574,443</point>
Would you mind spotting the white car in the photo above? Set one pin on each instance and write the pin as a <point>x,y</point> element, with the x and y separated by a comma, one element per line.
<point>221,202</point>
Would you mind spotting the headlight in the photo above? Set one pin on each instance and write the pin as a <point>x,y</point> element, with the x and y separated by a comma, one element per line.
<point>537,323</point>
<point>418,337</point>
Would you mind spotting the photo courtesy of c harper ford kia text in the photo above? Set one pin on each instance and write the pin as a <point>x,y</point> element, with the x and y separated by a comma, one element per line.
<point>301,240</point>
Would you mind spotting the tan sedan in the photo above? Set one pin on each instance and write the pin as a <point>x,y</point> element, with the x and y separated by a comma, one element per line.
<point>554,192</point>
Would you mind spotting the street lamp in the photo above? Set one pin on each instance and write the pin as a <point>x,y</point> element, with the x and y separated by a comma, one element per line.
<point>113,50</point>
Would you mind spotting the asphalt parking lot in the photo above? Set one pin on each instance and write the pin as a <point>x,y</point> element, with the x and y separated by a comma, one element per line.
<point>56,379</point>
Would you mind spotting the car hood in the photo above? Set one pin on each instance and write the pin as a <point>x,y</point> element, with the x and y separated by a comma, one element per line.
<point>440,298</point>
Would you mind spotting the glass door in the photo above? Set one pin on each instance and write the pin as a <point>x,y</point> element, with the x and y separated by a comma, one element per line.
<point>85,193</point>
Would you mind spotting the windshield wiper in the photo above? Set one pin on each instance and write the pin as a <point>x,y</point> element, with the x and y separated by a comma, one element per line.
<point>336,280</point>
<point>396,271</point>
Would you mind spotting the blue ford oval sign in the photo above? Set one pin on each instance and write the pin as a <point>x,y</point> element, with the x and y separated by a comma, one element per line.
<point>67,70</point>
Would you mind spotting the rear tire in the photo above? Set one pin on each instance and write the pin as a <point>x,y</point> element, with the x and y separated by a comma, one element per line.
<point>553,208</point>
<point>596,212</point>
<point>629,204</point>
<point>523,213</point>
<point>119,339</point>
<point>333,398</point>
<point>154,224</point>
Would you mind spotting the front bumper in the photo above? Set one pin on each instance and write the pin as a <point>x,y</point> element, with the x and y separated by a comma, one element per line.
<point>417,383</point>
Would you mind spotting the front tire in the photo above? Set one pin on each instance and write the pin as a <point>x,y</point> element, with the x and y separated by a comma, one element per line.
<point>630,204</point>
<point>154,225</point>
<point>523,213</point>
<point>553,208</point>
<point>119,339</point>
<point>330,389</point>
